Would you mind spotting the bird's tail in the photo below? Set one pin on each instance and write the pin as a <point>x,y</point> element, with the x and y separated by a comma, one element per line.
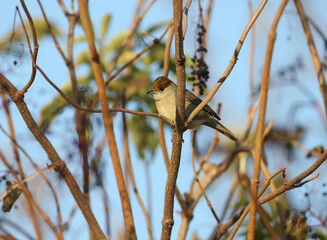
<point>222,129</point>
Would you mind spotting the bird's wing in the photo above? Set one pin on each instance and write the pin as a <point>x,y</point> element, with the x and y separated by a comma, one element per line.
<point>189,96</point>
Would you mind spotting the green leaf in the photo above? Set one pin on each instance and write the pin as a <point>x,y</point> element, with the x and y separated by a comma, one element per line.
<point>83,57</point>
<point>106,20</point>
<point>126,56</point>
<point>79,39</point>
<point>156,27</point>
<point>42,29</point>
<point>116,41</point>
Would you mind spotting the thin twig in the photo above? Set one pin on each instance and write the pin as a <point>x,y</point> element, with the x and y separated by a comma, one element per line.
<point>36,46</point>
<point>186,9</point>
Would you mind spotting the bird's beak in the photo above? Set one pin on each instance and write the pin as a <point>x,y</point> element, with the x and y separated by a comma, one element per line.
<point>150,92</point>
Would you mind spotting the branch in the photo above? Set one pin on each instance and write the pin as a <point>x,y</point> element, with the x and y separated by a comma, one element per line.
<point>36,46</point>
<point>59,164</point>
<point>168,220</point>
<point>260,128</point>
<point>108,123</point>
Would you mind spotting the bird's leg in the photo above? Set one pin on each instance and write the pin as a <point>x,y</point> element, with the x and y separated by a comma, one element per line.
<point>173,124</point>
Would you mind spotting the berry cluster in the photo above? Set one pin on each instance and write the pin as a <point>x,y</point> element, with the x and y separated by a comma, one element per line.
<point>200,72</point>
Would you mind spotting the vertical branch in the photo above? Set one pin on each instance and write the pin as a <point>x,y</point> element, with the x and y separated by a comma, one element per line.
<point>160,121</point>
<point>261,119</point>
<point>80,119</point>
<point>314,53</point>
<point>168,220</point>
<point>108,123</point>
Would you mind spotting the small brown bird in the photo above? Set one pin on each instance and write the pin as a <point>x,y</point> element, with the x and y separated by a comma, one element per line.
<point>164,92</point>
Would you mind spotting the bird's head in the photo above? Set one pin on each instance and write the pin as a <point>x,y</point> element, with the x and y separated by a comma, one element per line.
<point>161,88</point>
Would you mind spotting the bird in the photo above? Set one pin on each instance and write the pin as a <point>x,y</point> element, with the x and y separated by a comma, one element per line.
<point>164,92</point>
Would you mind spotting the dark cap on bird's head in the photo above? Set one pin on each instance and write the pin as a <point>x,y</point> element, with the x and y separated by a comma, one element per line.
<point>160,84</point>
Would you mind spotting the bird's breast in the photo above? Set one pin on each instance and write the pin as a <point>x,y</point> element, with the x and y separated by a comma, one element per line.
<point>167,109</point>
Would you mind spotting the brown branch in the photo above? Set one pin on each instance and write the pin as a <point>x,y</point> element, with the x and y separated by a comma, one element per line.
<point>63,7</point>
<point>36,46</point>
<point>186,9</point>
<point>163,146</point>
<point>160,122</point>
<point>230,65</point>
<point>59,164</point>
<point>260,128</point>
<point>314,53</point>
<point>80,120</point>
<point>168,220</point>
<point>108,123</point>
<point>232,191</point>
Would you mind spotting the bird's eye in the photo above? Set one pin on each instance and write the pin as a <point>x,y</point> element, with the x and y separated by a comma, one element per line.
<point>161,89</point>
